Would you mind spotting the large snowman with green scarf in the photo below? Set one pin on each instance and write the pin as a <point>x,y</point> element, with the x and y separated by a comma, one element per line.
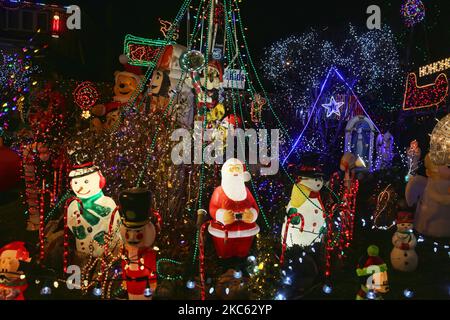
<point>91,215</point>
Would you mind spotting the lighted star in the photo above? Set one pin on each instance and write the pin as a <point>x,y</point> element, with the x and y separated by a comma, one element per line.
<point>333,107</point>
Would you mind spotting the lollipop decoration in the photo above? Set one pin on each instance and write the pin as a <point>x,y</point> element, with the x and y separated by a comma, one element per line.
<point>86,96</point>
<point>413,12</point>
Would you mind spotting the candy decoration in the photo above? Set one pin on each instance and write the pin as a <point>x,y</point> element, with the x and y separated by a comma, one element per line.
<point>86,96</point>
<point>285,234</point>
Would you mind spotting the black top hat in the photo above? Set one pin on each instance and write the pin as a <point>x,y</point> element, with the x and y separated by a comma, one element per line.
<point>310,172</point>
<point>82,164</point>
<point>310,166</point>
<point>135,205</point>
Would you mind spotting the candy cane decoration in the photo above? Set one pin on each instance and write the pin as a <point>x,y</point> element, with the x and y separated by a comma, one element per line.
<point>202,253</point>
<point>108,238</point>
<point>66,228</point>
<point>42,222</point>
<point>302,226</point>
<point>202,258</point>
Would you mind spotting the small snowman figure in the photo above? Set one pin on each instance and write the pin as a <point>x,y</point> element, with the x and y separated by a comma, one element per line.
<point>89,214</point>
<point>403,256</point>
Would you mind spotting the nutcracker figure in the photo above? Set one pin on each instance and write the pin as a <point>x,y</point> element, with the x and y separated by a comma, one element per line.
<point>138,233</point>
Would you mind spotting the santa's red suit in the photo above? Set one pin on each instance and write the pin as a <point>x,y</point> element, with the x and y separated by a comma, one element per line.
<point>147,272</point>
<point>235,239</point>
<point>14,288</point>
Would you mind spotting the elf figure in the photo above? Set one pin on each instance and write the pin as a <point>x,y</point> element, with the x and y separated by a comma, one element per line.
<point>89,213</point>
<point>373,276</point>
<point>234,212</point>
<point>305,199</point>
<point>403,256</point>
<point>207,85</point>
<point>12,282</point>
<point>139,233</point>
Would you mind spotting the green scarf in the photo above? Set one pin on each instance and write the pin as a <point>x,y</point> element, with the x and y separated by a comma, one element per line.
<point>89,204</point>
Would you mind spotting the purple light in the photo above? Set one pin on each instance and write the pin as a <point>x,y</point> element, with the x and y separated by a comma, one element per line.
<point>317,100</point>
<point>310,115</point>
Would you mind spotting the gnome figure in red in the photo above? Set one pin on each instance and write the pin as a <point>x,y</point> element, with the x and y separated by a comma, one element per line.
<point>138,233</point>
<point>234,212</point>
<point>12,281</point>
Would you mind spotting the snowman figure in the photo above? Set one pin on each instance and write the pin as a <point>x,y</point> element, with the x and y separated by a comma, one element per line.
<point>305,199</point>
<point>403,256</point>
<point>89,213</point>
<point>139,233</point>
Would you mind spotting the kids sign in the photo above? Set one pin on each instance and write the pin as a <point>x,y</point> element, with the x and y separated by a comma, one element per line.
<point>234,79</point>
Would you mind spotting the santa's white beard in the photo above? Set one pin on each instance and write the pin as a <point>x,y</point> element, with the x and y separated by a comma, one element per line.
<point>234,187</point>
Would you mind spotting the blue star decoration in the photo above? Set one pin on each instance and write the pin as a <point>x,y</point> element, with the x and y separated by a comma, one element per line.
<point>333,107</point>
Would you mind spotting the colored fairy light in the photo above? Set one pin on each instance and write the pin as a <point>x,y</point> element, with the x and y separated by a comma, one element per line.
<point>97,292</point>
<point>327,289</point>
<point>190,284</point>
<point>237,274</point>
<point>371,295</point>
<point>407,293</point>
<point>287,281</point>
<point>280,296</point>
<point>46,290</point>
<point>413,12</point>
<point>148,292</point>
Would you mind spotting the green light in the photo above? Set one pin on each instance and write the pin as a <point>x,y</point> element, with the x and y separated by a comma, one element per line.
<point>144,44</point>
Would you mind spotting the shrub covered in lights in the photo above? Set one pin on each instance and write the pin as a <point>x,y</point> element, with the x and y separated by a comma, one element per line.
<point>370,60</point>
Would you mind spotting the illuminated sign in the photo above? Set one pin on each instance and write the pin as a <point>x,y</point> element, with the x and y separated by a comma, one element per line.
<point>417,97</point>
<point>435,67</point>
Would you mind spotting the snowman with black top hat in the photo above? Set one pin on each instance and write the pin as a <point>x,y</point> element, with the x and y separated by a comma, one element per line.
<point>90,214</point>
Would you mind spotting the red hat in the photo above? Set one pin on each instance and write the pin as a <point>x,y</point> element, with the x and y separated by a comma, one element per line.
<point>404,217</point>
<point>231,120</point>
<point>310,172</point>
<point>22,252</point>
<point>130,70</point>
<point>216,65</point>
<point>371,263</point>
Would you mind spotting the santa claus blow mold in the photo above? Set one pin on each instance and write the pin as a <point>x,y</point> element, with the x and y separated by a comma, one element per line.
<point>89,214</point>
<point>234,212</point>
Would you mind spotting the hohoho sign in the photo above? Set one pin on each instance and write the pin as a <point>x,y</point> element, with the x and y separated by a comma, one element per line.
<point>418,97</point>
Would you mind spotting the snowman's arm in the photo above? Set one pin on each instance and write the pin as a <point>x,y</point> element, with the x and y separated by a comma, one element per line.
<point>72,211</point>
